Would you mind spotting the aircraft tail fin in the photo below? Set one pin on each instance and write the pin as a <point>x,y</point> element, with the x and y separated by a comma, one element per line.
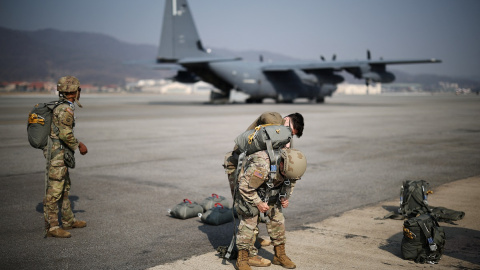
<point>179,38</point>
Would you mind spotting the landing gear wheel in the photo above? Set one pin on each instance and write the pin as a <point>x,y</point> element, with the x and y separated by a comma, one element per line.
<point>219,97</point>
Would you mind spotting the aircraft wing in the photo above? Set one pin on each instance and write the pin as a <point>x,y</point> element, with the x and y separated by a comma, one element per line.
<point>178,65</point>
<point>201,60</point>
<point>169,67</point>
<point>339,65</point>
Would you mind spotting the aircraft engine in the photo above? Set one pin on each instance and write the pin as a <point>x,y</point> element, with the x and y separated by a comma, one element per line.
<point>372,73</point>
<point>306,79</point>
<point>382,77</point>
<point>328,89</point>
<point>186,77</point>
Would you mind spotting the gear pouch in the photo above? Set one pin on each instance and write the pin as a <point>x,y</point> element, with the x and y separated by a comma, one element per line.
<point>69,157</point>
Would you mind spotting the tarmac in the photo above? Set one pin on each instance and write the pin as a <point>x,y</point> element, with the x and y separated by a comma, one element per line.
<point>149,152</point>
<point>357,239</point>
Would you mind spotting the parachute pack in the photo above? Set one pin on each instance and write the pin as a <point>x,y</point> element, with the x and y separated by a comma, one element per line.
<point>252,141</point>
<point>39,123</point>
<point>414,198</point>
<point>423,239</point>
<point>414,202</point>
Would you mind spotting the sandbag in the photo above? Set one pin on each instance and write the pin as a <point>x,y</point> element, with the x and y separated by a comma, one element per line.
<point>186,209</point>
<point>217,215</point>
<point>214,199</point>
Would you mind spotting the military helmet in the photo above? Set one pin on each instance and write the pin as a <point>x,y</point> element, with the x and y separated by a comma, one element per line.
<point>294,163</point>
<point>68,84</point>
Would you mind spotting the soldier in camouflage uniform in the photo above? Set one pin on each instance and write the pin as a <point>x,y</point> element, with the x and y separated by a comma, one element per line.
<point>60,151</point>
<point>296,123</point>
<point>248,204</point>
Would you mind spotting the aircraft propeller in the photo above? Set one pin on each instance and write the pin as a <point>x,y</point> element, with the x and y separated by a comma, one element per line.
<point>334,57</point>
<point>369,56</point>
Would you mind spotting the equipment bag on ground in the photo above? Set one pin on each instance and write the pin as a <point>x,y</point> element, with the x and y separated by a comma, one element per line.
<point>186,209</point>
<point>414,198</point>
<point>214,199</point>
<point>217,215</point>
<point>39,123</point>
<point>423,239</point>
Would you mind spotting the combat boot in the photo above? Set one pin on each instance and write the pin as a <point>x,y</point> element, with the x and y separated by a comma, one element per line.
<point>58,232</point>
<point>242,260</point>
<point>281,258</point>
<point>258,261</point>
<point>76,224</point>
<point>264,242</point>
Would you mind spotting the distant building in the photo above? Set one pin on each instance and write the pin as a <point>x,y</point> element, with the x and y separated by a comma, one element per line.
<point>359,89</point>
<point>169,87</point>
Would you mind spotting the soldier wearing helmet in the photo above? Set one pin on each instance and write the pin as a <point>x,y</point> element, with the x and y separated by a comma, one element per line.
<point>259,192</point>
<point>296,123</point>
<point>60,155</point>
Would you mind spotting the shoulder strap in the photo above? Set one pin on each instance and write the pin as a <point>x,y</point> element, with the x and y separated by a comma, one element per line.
<point>422,223</point>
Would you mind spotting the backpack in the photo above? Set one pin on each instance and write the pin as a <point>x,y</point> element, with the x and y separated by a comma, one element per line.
<point>39,123</point>
<point>413,198</point>
<point>423,239</point>
<point>255,140</point>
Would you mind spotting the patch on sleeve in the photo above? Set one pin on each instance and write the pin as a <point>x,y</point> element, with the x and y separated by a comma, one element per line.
<point>258,174</point>
<point>69,110</point>
<point>257,179</point>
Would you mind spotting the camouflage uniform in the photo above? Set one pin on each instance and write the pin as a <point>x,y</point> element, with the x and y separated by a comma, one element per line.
<point>231,158</point>
<point>254,175</point>
<point>58,186</point>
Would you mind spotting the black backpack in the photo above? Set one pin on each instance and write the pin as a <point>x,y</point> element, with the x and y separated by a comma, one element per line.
<point>423,239</point>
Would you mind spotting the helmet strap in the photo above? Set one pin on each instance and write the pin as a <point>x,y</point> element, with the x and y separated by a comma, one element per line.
<point>76,100</point>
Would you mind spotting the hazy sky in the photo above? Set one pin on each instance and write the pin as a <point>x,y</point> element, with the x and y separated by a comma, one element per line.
<point>445,29</point>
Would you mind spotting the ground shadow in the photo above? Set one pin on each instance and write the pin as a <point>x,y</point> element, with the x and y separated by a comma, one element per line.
<point>73,199</point>
<point>222,235</point>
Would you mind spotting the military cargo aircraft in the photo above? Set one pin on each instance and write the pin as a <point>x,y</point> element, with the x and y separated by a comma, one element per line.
<point>181,49</point>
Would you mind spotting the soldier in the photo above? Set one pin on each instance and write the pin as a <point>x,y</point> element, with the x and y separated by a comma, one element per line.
<point>296,123</point>
<point>59,151</point>
<point>253,180</point>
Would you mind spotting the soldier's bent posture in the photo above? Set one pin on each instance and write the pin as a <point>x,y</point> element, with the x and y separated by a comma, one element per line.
<point>296,123</point>
<point>253,181</point>
<point>60,151</point>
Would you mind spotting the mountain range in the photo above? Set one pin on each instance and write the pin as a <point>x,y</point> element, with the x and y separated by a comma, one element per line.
<point>46,55</point>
